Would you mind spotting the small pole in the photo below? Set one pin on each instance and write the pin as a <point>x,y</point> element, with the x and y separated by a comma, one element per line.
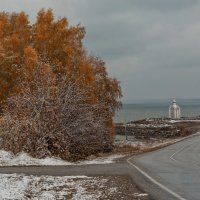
<point>125,131</point>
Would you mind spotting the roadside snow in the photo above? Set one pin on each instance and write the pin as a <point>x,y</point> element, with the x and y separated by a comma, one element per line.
<point>20,186</point>
<point>185,120</point>
<point>8,159</point>
<point>23,159</point>
<point>15,186</point>
<point>149,125</point>
<point>140,195</point>
<point>102,160</point>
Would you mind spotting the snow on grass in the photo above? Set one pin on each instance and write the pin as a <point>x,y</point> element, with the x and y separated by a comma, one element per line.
<point>140,195</point>
<point>23,159</point>
<point>8,159</point>
<point>102,160</point>
<point>20,186</point>
<point>148,125</point>
<point>183,120</point>
<point>15,186</point>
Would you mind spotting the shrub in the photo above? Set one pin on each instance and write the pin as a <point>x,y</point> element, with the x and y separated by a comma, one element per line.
<point>53,116</point>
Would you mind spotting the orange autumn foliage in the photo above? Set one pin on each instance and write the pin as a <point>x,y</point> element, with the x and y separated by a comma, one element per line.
<point>55,42</point>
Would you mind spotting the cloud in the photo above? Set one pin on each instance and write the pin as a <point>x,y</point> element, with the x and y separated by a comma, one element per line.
<point>163,5</point>
<point>151,46</point>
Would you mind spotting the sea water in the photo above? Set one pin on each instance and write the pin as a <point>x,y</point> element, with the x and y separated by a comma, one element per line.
<point>156,108</point>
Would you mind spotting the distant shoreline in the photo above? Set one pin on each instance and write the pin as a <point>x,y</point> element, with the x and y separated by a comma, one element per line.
<point>155,109</point>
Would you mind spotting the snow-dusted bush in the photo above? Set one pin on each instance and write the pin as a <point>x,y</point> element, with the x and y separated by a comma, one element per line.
<point>53,116</point>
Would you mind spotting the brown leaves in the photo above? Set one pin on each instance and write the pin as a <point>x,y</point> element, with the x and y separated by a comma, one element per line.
<point>30,56</point>
<point>52,86</point>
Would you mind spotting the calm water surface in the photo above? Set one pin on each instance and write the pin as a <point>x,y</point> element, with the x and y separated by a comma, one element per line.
<point>156,108</point>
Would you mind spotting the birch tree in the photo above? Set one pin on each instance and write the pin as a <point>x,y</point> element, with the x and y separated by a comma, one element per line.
<point>40,61</point>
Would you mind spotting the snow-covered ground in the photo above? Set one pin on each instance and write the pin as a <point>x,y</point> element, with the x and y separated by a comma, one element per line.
<point>19,186</point>
<point>162,123</point>
<point>186,120</point>
<point>48,187</point>
<point>23,159</point>
<point>148,125</point>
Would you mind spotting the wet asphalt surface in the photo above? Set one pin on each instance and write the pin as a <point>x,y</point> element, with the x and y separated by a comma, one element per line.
<point>177,167</point>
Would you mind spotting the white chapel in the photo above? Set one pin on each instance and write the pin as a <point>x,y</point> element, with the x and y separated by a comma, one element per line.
<point>174,110</point>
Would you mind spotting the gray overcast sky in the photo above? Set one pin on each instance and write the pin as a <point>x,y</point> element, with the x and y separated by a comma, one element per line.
<point>151,46</point>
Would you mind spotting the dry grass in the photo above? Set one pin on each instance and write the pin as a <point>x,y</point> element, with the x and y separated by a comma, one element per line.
<point>127,149</point>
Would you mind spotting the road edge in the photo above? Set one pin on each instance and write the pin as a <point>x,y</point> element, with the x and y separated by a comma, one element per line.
<point>155,181</point>
<point>151,179</point>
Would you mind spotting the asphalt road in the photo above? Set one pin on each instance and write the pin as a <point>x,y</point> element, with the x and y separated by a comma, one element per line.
<point>176,168</point>
<point>170,173</point>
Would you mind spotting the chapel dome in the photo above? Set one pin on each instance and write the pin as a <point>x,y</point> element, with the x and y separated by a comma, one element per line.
<point>174,101</point>
<point>174,104</point>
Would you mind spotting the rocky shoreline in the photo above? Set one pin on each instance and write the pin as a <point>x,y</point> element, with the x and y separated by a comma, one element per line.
<point>158,128</point>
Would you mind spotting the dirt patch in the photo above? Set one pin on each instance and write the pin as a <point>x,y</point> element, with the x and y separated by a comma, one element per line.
<point>124,189</point>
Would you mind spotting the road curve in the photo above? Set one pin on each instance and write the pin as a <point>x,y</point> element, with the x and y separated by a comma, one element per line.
<point>170,173</point>
<point>175,169</point>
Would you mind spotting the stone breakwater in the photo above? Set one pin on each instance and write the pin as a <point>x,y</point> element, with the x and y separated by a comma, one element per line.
<point>158,128</point>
